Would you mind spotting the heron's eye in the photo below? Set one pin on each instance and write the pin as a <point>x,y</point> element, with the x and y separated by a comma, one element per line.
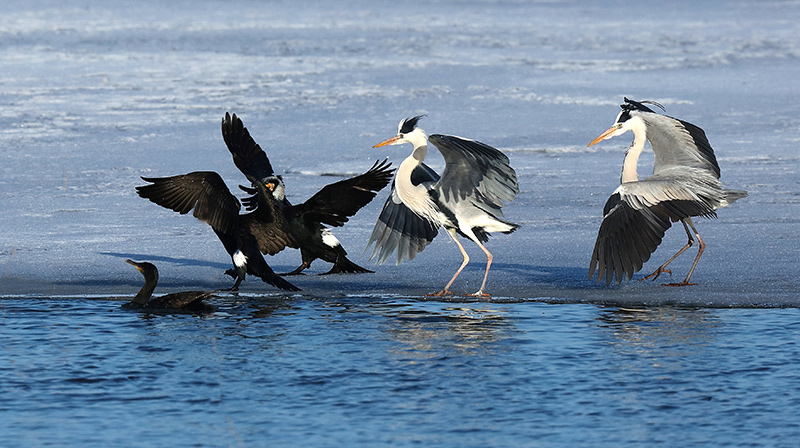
<point>400,135</point>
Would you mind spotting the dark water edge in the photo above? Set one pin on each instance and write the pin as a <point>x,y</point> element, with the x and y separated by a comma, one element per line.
<point>374,370</point>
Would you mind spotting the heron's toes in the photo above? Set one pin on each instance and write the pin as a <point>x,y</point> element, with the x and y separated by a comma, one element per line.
<point>656,274</point>
<point>683,283</point>
<point>480,295</point>
<point>442,293</point>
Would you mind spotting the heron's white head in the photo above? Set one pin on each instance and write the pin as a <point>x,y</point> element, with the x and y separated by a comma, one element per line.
<point>629,119</point>
<point>407,132</point>
<point>276,186</point>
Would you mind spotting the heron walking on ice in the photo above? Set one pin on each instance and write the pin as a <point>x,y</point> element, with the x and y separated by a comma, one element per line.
<point>466,199</point>
<point>685,183</point>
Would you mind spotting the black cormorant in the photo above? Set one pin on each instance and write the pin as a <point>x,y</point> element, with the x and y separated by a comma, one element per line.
<point>188,300</point>
<point>207,194</point>
<point>304,223</point>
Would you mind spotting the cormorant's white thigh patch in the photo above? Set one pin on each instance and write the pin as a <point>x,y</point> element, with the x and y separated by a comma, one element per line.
<point>329,239</point>
<point>239,259</point>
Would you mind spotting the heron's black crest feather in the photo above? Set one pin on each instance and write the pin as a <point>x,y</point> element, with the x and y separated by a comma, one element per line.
<point>640,105</point>
<point>409,124</point>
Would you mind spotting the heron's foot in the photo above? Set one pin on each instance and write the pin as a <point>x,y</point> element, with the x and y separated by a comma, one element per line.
<point>231,289</point>
<point>480,294</point>
<point>683,283</point>
<point>442,293</point>
<point>656,274</point>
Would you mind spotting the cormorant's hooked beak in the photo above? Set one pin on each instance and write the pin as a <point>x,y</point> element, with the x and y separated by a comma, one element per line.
<point>135,264</point>
<point>390,141</point>
<point>271,186</point>
<point>607,134</point>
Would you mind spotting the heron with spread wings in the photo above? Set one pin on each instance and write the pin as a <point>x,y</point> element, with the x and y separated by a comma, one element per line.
<point>466,200</point>
<point>685,183</point>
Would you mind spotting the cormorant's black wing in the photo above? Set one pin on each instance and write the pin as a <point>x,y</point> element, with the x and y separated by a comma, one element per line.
<point>187,300</point>
<point>251,160</point>
<point>335,203</point>
<point>267,221</point>
<point>203,191</point>
<point>399,228</point>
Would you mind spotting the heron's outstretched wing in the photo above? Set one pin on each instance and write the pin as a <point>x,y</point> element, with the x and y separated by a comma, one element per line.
<point>626,239</point>
<point>203,191</point>
<point>251,160</point>
<point>474,166</point>
<point>678,143</point>
<point>398,228</point>
<point>336,202</point>
<point>635,218</point>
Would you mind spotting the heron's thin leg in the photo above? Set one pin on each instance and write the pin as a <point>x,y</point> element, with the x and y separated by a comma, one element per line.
<point>489,258</point>
<point>446,291</point>
<point>662,269</point>
<point>702,248</point>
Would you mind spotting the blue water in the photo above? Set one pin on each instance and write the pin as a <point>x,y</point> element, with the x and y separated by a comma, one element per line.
<point>95,94</point>
<point>370,371</point>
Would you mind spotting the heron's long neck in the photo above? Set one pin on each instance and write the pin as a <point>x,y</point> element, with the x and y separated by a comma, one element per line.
<point>629,165</point>
<point>144,294</point>
<point>415,197</point>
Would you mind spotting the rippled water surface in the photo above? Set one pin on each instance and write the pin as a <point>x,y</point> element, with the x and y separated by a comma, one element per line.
<point>95,94</point>
<point>367,371</point>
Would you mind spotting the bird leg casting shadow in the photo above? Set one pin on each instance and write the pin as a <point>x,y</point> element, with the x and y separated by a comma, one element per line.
<point>702,247</point>
<point>661,269</point>
<point>489,258</point>
<point>446,291</point>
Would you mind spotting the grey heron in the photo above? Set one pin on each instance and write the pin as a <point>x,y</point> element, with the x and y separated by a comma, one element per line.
<point>186,300</point>
<point>685,183</point>
<point>467,199</point>
<point>206,193</point>
<point>303,225</point>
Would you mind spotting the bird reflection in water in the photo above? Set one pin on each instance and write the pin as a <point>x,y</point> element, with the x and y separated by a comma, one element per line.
<point>431,334</point>
<point>663,333</point>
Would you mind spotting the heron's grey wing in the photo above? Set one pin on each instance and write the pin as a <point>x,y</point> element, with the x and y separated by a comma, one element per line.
<point>681,191</point>
<point>400,229</point>
<point>635,219</point>
<point>203,191</point>
<point>336,202</point>
<point>251,160</point>
<point>474,166</point>
<point>626,239</point>
<point>678,143</point>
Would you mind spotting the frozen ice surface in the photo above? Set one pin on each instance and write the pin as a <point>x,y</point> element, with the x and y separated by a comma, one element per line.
<point>96,94</point>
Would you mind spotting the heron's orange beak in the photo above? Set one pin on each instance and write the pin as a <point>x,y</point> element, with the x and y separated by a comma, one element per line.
<point>387,142</point>
<point>605,134</point>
